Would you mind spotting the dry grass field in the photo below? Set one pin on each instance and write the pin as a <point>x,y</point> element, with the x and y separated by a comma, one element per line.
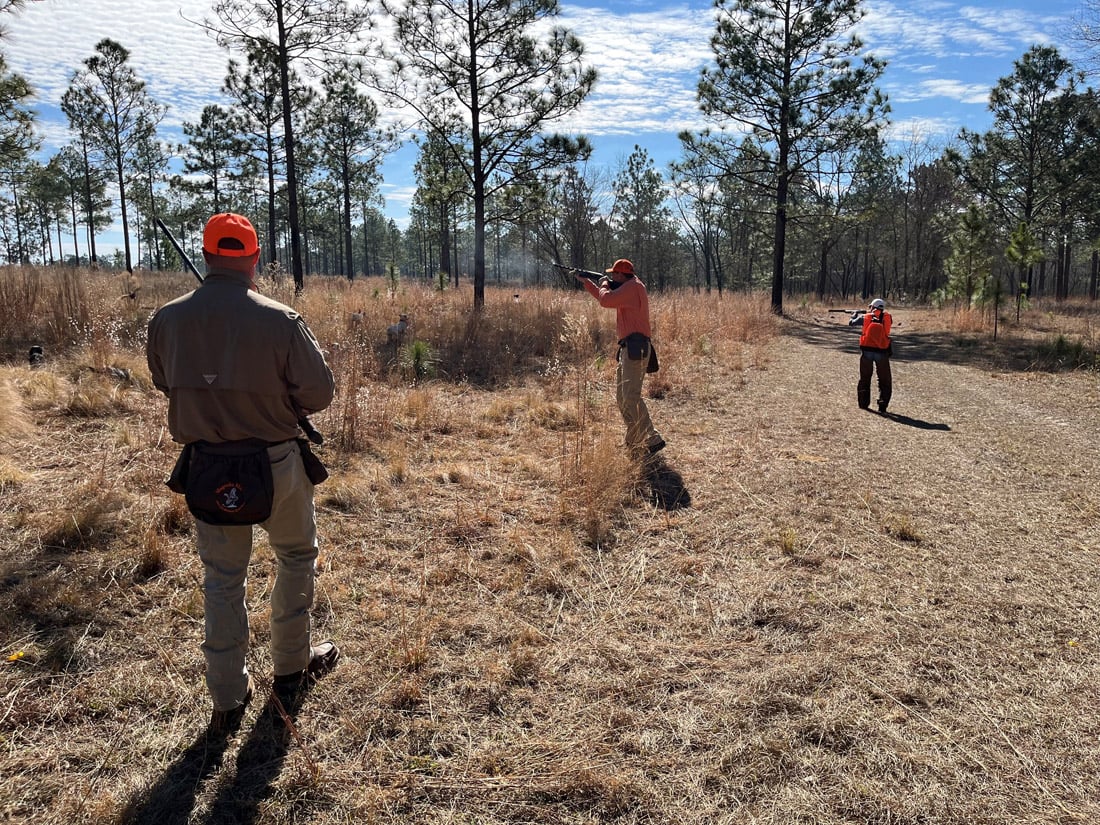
<point>801,613</point>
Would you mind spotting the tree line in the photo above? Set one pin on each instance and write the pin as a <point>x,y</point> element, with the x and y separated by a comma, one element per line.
<point>793,185</point>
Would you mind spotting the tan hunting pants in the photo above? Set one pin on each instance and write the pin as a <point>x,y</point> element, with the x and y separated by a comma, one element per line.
<point>629,378</point>
<point>225,552</point>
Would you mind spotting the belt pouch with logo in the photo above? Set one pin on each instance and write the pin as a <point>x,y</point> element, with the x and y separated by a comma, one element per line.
<point>230,482</point>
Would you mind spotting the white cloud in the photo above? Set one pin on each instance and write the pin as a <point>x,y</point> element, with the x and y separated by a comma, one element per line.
<point>954,90</point>
<point>912,31</point>
<point>919,130</point>
<point>1018,27</point>
<point>180,64</point>
<point>648,64</point>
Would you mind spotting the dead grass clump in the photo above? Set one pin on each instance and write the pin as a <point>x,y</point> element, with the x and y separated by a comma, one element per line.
<point>351,361</point>
<point>596,479</point>
<point>406,695</point>
<point>902,528</point>
<point>554,416</point>
<point>424,412</point>
<point>965,321</point>
<point>174,519</point>
<point>347,493</point>
<point>10,474</point>
<point>152,557</point>
<point>15,422</point>
<point>95,396</point>
<point>599,792</point>
<point>41,389</point>
<point>91,524</point>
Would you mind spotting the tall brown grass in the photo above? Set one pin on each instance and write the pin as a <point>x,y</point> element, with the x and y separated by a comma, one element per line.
<point>550,351</point>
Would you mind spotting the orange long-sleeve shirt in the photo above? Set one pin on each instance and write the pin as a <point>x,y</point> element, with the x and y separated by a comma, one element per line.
<point>630,302</point>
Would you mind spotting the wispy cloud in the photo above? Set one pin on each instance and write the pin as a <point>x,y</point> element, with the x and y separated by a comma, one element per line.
<point>181,65</point>
<point>648,63</point>
<point>953,90</point>
<point>950,31</point>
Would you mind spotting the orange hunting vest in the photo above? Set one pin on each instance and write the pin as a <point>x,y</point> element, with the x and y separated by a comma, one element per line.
<point>876,330</point>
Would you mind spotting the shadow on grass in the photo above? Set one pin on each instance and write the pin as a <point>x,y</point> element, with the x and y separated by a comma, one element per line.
<point>172,800</point>
<point>666,486</point>
<point>259,763</point>
<point>915,422</point>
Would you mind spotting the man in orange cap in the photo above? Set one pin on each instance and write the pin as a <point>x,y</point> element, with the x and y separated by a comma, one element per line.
<point>240,370</point>
<point>622,291</point>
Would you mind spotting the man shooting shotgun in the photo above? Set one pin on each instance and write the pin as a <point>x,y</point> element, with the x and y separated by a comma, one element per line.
<point>875,349</point>
<point>240,370</point>
<point>621,290</point>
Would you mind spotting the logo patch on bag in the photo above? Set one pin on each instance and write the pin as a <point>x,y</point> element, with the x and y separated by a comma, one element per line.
<point>230,497</point>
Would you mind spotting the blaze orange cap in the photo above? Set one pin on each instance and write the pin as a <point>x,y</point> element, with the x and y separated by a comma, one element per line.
<point>230,235</point>
<point>622,266</point>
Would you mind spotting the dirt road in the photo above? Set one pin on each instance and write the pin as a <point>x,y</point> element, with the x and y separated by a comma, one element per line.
<point>926,581</point>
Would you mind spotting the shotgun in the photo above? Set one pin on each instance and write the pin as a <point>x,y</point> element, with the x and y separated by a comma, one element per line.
<point>598,278</point>
<point>303,421</point>
<point>179,249</point>
<point>594,277</point>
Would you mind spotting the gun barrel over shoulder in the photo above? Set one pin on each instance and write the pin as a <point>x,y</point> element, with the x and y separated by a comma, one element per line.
<point>179,250</point>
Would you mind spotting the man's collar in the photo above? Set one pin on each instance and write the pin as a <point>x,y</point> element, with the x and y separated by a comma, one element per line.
<point>229,274</point>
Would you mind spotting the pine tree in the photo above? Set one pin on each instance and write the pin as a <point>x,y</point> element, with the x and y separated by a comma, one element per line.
<point>481,64</point>
<point>289,33</point>
<point>784,73</point>
<point>112,104</point>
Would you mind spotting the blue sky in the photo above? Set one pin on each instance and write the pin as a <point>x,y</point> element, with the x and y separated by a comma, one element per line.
<point>943,58</point>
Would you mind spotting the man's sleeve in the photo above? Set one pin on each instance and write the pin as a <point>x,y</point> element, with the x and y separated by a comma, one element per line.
<point>625,297</point>
<point>591,287</point>
<point>152,356</point>
<point>309,378</point>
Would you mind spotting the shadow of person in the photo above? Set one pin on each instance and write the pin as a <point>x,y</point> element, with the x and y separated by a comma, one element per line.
<point>171,800</point>
<point>666,486</point>
<point>915,422</point>
<point>259,760</point>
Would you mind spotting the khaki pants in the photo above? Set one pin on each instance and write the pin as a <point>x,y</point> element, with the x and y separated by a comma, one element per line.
<point>225,552</point>
<point>628,393</point>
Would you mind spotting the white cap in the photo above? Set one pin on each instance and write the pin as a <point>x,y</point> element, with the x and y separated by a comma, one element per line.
<point>878,303</point>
